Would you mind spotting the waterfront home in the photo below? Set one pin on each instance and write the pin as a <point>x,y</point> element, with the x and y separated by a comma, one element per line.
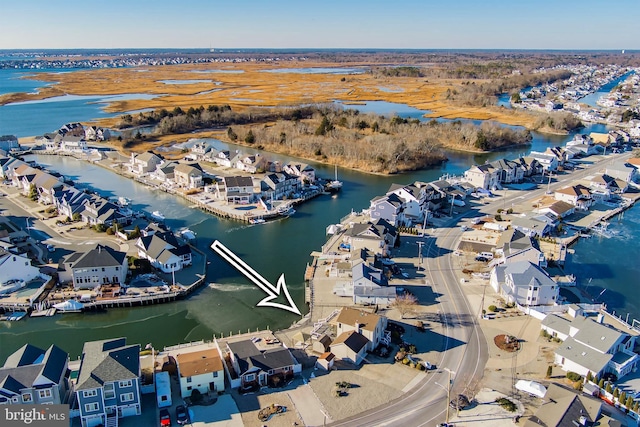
<point>9,142</point>
<point>370,285</point>
<point>17,267</point>
<point>144,163</point>
<point>73,144</point>
<point>69,201</point>
<point>108,385</point>
<point>252,163</point>
<point>71,129</point>
<point>94,133</point>
<point>94,268</point>
<point>200,370</point>
<point>370,325</point>
<point>564,407</point>
<point>482,176</point>
<point>592,346</point>
<point>622,171</point>
<point>577,195</point>
<point>164,172</point>
<point>33,376</point>
<point>549,162</point>
<point>199,150</point>
<point>188,175</point>
<point>253,366</point>
<point>389,208</point>
<point>23,176</point>
<point>47,185</point>
<point>413,199</point>
<point>303,171</point>
<point>532,225</point>
<point>377,237</point>
<point>235,189</point>
<point>48,141</point>
<point>8,166</point>
<point>559,210</point>
<point>530,166</point>
<point>507,171</point>
<point>98,210</point>
<point>513,245</point>
<point>280,185</point>
<point>524,283</point>
<point>164,252</point>
<point>227,158</point>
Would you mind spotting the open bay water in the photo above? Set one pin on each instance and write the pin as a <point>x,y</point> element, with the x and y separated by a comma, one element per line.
<point>227,303</point>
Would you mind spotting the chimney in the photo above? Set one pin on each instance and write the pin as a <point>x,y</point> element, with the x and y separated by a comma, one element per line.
<point>600,318</point>
<point>583,420</point>
<point>357,326</point>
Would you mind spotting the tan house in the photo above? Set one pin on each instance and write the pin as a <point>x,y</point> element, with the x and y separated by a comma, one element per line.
<point>200,370</point>
<point>577,195</point>
<point>369,325</point>
<point>351,346</point>
<point>188,176</point>
<point>144,163</point>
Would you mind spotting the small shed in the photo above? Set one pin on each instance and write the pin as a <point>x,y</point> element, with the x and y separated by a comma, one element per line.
<point>322,344</point>
<point>325,361</point>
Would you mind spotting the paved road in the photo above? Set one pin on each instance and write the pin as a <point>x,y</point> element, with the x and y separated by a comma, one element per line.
<point>466,352</point>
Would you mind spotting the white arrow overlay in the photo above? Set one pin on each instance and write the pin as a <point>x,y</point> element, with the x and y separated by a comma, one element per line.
<point>272,291</point>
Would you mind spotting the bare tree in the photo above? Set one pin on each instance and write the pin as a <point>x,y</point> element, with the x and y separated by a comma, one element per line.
<point>405,304</point>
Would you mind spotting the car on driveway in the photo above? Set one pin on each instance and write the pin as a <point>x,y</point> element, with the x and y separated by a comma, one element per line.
<point>165,418</point>
<point>182,416</point>
<point>482,259</point>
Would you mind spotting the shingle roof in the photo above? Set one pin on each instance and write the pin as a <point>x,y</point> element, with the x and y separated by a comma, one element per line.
<point>249,356</point>
<point>582,355</point>
<point>199,362</point>
<point>349,316</point>
<point>100,256</point>
<point>108,361</point>
<point>352,339</point>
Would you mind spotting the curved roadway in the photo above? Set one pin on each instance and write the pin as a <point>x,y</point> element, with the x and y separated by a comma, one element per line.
<point>465,351</point>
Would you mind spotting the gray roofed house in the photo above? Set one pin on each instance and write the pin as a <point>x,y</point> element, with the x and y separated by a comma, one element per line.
<point>108,381</point>
<point>562,407</point>
<point>98,266</point>
<point>259,366</point>
<point>164,251</point>
<point>592,346</point>
<point>524,283</point>
<point>34,376</point>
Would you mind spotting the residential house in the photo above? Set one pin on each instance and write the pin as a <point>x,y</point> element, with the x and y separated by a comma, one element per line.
<point>592,346</point>
<point>227,158</point>
<point>251,164</point>
<point>144,163</point>
<point>164,252</point>
<point>188,176</point>
<point>8,166</point>
<point>73,144</point>
<point>531,226</point>
<point>48,141</point>
<point>412,198</point>
<point>200,370</point>
<point>358,332</point>
<point>23,177</point>
<point>94,133</point>
<point>549,162</point>
<point>389,207</point>
<point>530,166</point>
<point>524,283</point>
<point>89,270</point>
<point>199,150</point>
<point>559,209</point>
<point>164,172</point>
<point>378,237</point>
<point>268,365</point>
<point>577,195</point>
<point>34,376</point>
<point>71,129</point>
<point>370,285</point>
<point>235,189</point>
<point>16,267</point>
<point>108,384</point>
<point>482,176</point>
<point>562,407</point>
<point>47,185</point>
<point>303,171</point>
<point>507,171</point>
<point>9,142</point>
<point>513,245</point>
<point>623,171</point>
<point>70,201</point>
<point>280,185</point>
<point>98,210</point>
<point>602,186</point>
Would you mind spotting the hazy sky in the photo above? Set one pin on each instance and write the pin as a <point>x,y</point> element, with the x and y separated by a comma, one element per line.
<point>473,24</point>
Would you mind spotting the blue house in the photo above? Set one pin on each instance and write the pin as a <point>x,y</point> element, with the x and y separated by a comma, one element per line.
<point>108,384</point>
<point>31,375</point>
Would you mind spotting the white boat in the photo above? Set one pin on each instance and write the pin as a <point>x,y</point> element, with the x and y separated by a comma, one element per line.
<point>157,215</point>
<point>69,306</point>
<point>334,185</point>
<point>256,221</point>
<point>123,201</point>
<point>286,210</point>
<point>188,234</point>
<point>11,286</point>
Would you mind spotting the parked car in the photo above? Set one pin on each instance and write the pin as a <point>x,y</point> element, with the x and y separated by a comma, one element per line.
<point>182,416</point>
<point>482,259</point>
<point>165,418</point>
<point>445,425</point>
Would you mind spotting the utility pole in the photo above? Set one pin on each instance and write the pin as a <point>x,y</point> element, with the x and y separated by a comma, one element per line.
<point>448,395</point>
<point>549,184</point>
<point>453,198</point>
<point>420,243</point>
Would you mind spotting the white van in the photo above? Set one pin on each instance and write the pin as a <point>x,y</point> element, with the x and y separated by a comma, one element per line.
<point>488,255</point>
